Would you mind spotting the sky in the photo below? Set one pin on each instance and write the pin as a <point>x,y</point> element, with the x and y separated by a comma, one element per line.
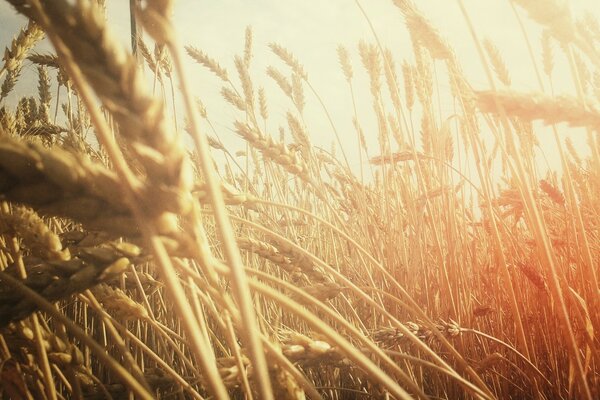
<point>312,30</point>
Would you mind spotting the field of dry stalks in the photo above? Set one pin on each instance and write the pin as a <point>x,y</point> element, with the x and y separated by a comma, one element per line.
<point>140,257</point>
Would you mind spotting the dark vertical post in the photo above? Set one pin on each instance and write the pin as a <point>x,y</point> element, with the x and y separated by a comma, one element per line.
<point>135,30</point>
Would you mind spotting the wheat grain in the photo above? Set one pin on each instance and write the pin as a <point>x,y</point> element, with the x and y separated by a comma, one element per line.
<point>234,99</point>
<point>20,46</point>
<point>344,60</point>
<point>274,151</point>
<point>262,101</point>
<point>35,233</point>
<point>281,80</point>
<point>547,53</point>
<point>118,303</point>
<point>201,58</point>
<point>497,62</point>
<point>48,60</point>
<point>298,92</point>
<point>247,88</point>
<point>553,192</point>
<point>287,57</point>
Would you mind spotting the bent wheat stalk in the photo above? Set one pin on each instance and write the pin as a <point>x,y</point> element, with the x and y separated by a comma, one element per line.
<point>164,34</point>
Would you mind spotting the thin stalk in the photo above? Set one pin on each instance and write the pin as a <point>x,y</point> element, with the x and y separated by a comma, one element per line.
<point>131,183</point>
<point>118,340</point>
<point>100,351</point>
<point>230,248</point>
<point>539,231</point>
<point>39,341</point>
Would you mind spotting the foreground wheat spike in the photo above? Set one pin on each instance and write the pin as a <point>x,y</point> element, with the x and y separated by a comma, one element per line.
<point>57,280</point>
<point>115,77</point>
<point>536,106</point>
<point>57,183</point>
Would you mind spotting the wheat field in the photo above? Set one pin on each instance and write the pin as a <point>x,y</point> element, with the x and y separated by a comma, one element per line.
<point>443,257</point>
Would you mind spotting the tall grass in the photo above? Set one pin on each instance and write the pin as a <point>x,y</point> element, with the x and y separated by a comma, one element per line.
<point>136,262</point>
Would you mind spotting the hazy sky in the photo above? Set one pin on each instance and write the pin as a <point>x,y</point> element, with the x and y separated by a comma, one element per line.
<point>312,30</point>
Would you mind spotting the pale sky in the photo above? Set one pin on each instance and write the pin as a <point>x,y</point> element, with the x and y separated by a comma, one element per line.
<point>312,29</point>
